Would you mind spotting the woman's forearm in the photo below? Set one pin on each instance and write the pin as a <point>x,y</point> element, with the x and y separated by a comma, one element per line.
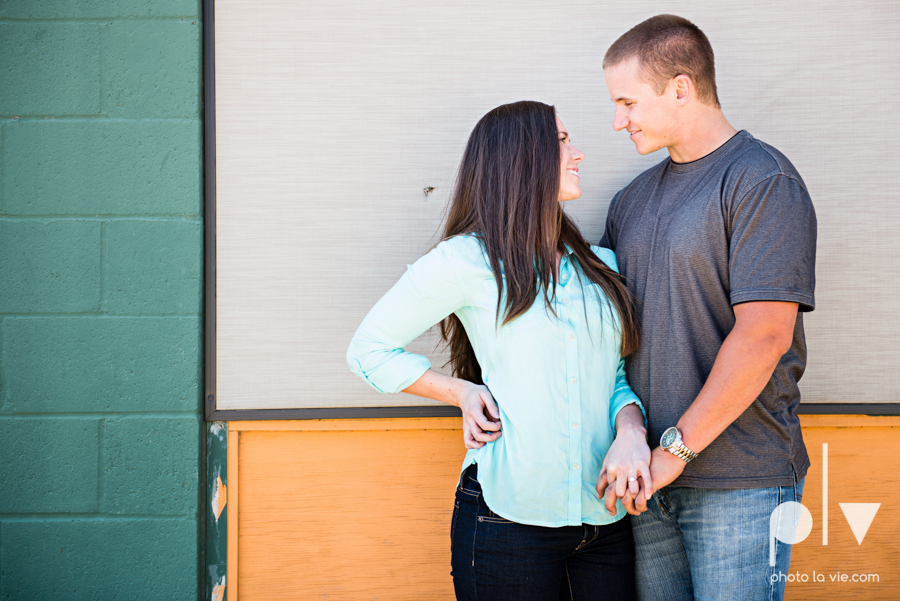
<point>481,416</point>
<point>630,417</point>
<point>437,386</point>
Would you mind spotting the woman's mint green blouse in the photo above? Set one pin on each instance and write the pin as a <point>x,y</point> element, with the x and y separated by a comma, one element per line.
<point>559,381</point>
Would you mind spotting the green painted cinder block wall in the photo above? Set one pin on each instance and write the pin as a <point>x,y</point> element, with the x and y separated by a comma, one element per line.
<point>101,238</point>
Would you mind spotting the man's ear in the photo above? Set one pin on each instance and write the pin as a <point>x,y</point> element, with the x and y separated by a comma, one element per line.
<point>684,89</point>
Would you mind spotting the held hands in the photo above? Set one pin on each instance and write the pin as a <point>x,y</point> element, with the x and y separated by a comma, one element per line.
<point>481,417</point>
<point>664,469</point>
<point>627,473</point>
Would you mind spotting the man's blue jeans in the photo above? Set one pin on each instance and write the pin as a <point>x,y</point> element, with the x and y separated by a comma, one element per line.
<point>495,559</point>
<point>711,543</point>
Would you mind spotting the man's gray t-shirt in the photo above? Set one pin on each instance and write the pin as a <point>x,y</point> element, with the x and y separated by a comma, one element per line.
<point>692,240</point>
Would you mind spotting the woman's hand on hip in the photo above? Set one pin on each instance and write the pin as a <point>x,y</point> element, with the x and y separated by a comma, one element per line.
<point>481,417</point>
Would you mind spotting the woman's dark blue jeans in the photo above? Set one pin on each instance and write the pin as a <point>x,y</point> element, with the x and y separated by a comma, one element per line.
<point>494,559</point>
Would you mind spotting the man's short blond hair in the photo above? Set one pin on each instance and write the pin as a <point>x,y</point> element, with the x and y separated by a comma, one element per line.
<point>667,46</point>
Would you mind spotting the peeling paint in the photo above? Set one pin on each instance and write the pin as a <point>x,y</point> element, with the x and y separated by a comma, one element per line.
<point>218,592</point>
<point>216,514</point>
<point>219,497</point>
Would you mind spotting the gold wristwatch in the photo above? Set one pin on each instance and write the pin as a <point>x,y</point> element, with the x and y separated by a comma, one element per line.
<point>671,441</point>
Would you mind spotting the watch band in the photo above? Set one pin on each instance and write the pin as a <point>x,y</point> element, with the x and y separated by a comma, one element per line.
<point>682,452</point>
<point>676,446</point>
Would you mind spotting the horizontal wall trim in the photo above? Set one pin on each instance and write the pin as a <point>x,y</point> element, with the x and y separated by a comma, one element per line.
<point>439,411</point>
<point>849,409</point>
<point>331,413</point>
<point>352,425</point>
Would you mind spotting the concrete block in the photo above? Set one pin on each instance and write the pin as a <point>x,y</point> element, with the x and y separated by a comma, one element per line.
<point>152,68</point>
<point>48,465</point>
<point>153,267</point>
<point>55,364</point>
<point>49,68</point>
<point>97,9</point>
<point>99,560</point>
<point>150,466</point>
<point>95,167</point>
<point>50,266</point>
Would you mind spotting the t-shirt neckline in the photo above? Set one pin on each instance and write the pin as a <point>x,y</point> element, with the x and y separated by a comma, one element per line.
<point>712,157</point>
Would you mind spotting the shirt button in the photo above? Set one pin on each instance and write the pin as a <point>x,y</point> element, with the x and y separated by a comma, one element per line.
<point>571,336</point>
<point>565,301</point>
<point>575,425</point>
<point>574,380</point>
<point>575,467</point>
<point>565,277</point>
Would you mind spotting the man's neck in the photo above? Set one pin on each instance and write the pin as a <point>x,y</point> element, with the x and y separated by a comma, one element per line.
<point>703,133</point>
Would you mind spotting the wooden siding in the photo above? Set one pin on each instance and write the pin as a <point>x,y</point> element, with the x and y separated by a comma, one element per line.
<point>360,509</point>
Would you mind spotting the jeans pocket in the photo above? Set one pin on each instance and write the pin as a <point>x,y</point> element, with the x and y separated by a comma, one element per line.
<point>493,518</point>
<point>798,490</point>
<point>468,484</point>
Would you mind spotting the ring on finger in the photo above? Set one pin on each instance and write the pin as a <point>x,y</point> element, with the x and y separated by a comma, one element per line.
<point>632,479</point>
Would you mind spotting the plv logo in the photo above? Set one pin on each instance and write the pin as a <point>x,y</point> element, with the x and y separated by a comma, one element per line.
<point>791,522</point>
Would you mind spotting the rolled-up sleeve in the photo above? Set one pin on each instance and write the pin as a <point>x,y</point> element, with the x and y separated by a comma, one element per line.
<point>623,395</point>
<point>428,292</point>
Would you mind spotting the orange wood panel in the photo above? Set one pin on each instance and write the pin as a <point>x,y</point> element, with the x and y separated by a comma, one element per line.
<point>346,514</point>
<point>862,468</point>
<point>360,509</point>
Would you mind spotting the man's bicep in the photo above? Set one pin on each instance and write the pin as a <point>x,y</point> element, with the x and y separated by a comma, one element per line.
<point>770,320</point>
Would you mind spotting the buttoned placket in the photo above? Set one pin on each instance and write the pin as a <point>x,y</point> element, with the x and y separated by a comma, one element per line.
<point>565,308</point>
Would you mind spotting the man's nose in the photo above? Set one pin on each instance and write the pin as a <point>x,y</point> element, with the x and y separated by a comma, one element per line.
<point>620,122</point>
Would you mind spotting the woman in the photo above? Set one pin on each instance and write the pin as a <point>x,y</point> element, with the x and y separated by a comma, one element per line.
<point>537,322</point>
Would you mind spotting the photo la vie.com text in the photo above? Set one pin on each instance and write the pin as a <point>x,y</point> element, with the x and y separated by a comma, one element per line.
<point>835,577</point>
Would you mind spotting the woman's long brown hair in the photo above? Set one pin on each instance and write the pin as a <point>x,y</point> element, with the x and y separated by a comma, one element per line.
<point>507,194</point>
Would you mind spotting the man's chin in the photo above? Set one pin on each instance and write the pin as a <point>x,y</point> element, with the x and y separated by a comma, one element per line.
<point>645,150</point>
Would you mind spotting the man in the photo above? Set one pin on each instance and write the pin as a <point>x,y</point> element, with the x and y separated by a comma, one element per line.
<point>717,243</point>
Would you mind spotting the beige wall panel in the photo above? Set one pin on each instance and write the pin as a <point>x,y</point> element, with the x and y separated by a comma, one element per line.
<point>331,118</point>
<point>360,509</point>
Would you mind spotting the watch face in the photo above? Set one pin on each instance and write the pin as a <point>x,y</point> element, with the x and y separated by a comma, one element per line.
<point>668,438</point>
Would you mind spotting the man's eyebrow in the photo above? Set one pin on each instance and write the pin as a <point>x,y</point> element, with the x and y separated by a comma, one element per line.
<point>624,99</point>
